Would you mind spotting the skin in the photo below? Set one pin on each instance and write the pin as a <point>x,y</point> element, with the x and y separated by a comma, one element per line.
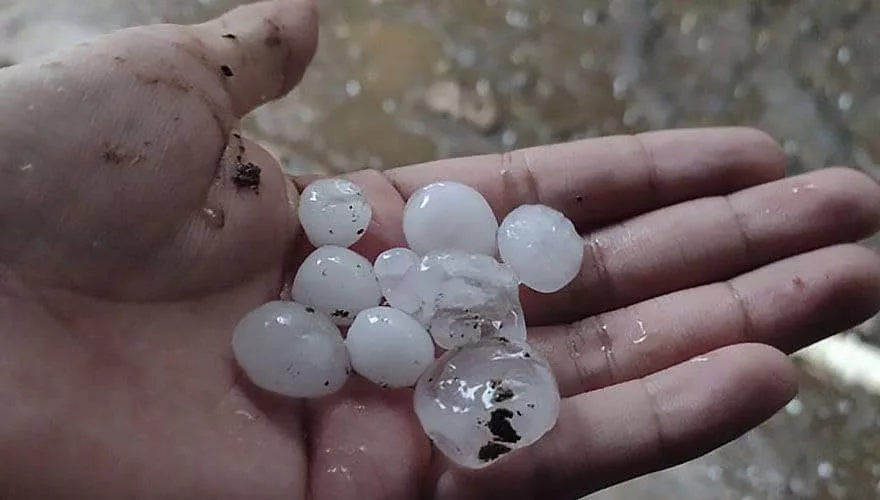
<point>120,284</point>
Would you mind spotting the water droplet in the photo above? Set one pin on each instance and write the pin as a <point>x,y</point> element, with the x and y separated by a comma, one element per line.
<point>844,55</point>
<point>795,407</point>
<point>216,216</point>
<point>704,43</point>
<point>517,19</point>
<point>26,167</point>
<point>508,138</point>
<point>825,470</point>
<point>642,333</point>
<point>389,106</point>
<point>688,23</point>
<point>699,359</point>
<point>845,101</point>
<point>605,341</point>
<point>353,88</point>
<point>242,413</point>
<point>590,17</point>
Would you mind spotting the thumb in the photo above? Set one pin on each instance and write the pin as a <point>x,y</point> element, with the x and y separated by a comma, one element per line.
<point>261,49</point>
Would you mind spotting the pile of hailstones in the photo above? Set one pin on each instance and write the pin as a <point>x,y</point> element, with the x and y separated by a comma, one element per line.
<point>489,393</point>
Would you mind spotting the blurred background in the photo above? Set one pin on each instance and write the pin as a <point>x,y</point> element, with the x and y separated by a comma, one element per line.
<point>404,81</point>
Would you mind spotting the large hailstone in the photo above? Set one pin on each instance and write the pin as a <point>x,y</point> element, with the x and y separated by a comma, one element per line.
<point>486,399</point>
<point>334,212</point>
<point>449,216</point>
<point>391,265</point>
<point>289,349</point>
<point>337,282</point>
<point>461,297</point>
<point>542,247</point>
<point>388,347</point>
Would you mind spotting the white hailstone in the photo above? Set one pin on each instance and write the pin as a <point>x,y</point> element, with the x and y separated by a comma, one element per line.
<point>391,265</point>
<point>337,282</point>
<point>461,297</point>
<point>290,349</point>
<point>334,212</point>
<point>486,399</point>
<point>388,347</point>
<point>542,247</point>
<point>449,216</point>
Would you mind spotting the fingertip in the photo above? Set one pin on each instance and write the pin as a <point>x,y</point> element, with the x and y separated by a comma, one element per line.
<point>263,49</point>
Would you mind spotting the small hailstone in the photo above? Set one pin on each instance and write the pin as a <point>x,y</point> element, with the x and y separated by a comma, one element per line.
<point>334,212</point>
<point>289,349</point>
<point>461,297</point>
<point>337,282</point>
<point>449,216</point>
<point>391,265</point>
<point>541,246</point>
<point>388,347</point>
<point>486,399</point>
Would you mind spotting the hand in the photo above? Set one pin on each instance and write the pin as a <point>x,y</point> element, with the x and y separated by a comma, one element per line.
<point>133,238</point>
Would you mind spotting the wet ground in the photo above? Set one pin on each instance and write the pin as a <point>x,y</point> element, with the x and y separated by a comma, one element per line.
<point>403,81</point>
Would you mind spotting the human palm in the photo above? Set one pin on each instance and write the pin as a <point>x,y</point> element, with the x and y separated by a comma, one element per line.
<point>134,234</point>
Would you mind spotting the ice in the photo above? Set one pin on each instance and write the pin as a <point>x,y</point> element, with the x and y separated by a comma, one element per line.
<point>486,399</point>
<point>461,297</point>
<point>391,265</point>
<point>286,348</point>
<point>337,282</point>
<point>334,212</point>
<point>541,246</point>
<point>449,216</point>
<point>388,347</point>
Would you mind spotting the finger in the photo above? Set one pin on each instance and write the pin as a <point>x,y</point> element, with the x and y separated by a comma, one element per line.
<point>788,304</point>
<point>596,181</point>
<point>260,50</point>
<point>712,239</point>
<point>608,436</point>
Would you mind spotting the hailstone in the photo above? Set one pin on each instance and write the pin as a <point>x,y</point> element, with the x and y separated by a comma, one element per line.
<point>289,349</point>
<point>391,265</point>
<point>449,216</point>
<point>337,282</point>
<point>542,247</point>
<point>334,212</point>
<point>388,347</point>
<point>461,297</point>
<point>486,399</point>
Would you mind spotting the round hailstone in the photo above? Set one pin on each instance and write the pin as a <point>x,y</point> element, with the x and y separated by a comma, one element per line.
<point>485,399</point>
<point>391,265</point>
<point>449,216</point>
<point>289,349</point>
<point>334,212</point>
<point>541,246</point>
<point>337,282</point>
<point>388,347</point>
<point>461,297</point>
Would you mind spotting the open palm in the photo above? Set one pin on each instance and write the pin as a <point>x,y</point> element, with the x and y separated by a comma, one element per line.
<point>135,232</point>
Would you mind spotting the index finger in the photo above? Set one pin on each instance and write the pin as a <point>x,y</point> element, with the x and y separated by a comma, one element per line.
<point>598,181</point>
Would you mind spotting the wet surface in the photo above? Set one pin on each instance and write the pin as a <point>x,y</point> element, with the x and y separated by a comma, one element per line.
<point>404,81</point>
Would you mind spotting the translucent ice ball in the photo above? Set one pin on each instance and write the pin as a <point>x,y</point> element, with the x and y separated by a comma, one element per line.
<point>461,297</point>
<point>541,246</point>
<point>391,265</point>
<point>486,399</point>
<point>289,349</point>
<point>337,282</point>
<point>334,212</point>
<point>388,347</point>
<point>449,216</point>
